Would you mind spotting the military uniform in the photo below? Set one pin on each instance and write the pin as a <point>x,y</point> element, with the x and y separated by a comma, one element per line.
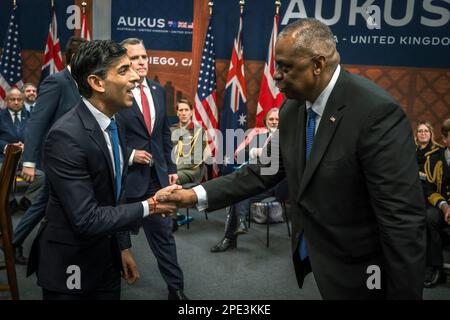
<point>189,152</point>
<point>437,190</point>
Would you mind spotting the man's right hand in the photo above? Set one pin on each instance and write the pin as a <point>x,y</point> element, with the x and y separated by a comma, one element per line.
<point>446,211</point>
<point>28,174</point>
<point>184,198</point>
<point>142,157</point>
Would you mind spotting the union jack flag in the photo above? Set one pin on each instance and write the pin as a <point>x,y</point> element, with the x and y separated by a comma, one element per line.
<point>205,107</point>
<point>234,109</point>
<point>52,55</point>
<point>11,61</point>
<point>269,95</point>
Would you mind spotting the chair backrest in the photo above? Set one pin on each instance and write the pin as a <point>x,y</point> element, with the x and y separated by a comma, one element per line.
<point>281,191</point>
<point>7,176</point>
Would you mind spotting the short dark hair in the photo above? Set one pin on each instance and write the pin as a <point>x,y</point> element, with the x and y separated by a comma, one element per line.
<point>186,101</point>
<point>445,129</point>
<point>94,58</point>
<point>72,46</point>
<point>28,84</point>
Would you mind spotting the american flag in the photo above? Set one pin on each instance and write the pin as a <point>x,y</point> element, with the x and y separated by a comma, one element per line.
<point>84,29</point>
<point>205,107</point>
<point>234,109</point>
<point>52,55</point>
<point>269,95</point>
<point>11,61</point>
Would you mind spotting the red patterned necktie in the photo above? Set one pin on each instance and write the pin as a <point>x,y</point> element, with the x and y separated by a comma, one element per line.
<point>146,109</point>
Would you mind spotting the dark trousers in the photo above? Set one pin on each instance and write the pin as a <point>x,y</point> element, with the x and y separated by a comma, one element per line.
<point>158,232</point>
<point>241,210</point>
<point>34,214</point>
<point>435,223</point>
<point>108,289</point>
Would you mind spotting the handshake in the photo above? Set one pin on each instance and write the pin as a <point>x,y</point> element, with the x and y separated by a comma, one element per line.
<point>167,200</point>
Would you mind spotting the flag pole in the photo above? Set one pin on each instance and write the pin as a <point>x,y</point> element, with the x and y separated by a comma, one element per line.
<point>210,4</point>
<point>14,4</point>
<point>53,3</point>
<point>83,7</point>
<point>242,4</point>
<point>277,7</point>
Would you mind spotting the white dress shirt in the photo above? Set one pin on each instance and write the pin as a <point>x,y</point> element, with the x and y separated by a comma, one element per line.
<point>318,106</point>
<point>104,121</point>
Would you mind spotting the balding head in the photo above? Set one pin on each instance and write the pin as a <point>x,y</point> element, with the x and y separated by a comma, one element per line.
<point>312,37</point>
<point>14,99</point>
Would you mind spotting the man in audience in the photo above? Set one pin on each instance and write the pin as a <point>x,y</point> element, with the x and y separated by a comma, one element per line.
<point>30,93</point>
<point>13,122</point>
<point>347,150</point>
<point>58,93</point>
<point>151,167</point>
<point>437,189</point>
<point>250,149</point>
<point>78,247</point>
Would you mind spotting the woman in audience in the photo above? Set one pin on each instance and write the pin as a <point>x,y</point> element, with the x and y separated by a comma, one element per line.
<point>424,136</point>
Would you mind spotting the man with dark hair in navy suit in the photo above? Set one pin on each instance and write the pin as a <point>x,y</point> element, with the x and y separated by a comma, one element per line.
<point>58,93</point>
<point>79,250</point>
<point>151,165</point>
<point>13,122</point>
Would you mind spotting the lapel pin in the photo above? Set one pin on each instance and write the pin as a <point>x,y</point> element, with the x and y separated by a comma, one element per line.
<point>332,119</point>
<point>153,87</point>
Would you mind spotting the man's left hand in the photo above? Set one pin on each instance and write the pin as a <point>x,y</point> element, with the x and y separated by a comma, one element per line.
<point>130,271</point>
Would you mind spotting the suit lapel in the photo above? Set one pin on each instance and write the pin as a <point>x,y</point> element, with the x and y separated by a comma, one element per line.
<point>301,123</point>
<point>96,134</point>
<point>329,122</point>
<point>155,98</point>
<point>123,146</point>
<point>138,114</point>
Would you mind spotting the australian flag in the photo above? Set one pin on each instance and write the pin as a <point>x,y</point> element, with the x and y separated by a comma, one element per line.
<point>11,61</point>
<point>234,108</point>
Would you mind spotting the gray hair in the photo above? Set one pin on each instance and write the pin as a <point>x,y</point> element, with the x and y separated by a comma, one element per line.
<point>311,35</point>
<point>132,42</point>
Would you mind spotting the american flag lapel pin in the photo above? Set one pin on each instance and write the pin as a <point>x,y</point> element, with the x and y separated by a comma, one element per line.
<point>332,119</point>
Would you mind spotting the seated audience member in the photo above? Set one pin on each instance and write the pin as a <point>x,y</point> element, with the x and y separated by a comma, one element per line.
<point>30,93</point>
<point>189,142</point>
<point>424,137</point>
<point>236,220</point>
<point>13,121</point>
<point>437,170</point>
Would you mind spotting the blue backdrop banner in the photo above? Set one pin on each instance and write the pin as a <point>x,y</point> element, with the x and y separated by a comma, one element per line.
<point>163,25</point>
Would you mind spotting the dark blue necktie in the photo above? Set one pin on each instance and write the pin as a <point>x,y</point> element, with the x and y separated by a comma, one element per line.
<point>17,122</point>
<point>112,128</point>
<point>310,132</point>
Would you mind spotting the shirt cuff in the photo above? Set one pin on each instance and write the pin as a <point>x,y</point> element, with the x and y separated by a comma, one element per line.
<point>130,161</point>
<point>202,198</point>
<point>146,208</point>
<point>441,203</point>
<point>252,153</point>
<point>29,164</point>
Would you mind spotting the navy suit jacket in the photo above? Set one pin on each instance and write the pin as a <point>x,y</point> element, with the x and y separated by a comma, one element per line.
<point>159,144</point>
<point>58,93</point>
<point>82,215</point>
<point>8,132</point>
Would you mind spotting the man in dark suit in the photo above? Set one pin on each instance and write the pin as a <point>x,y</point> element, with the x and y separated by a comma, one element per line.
<point>58,93</point>
<point>151,166</point>
<point>13,122</point>
<point>348,153</point>
<point>85,157</point>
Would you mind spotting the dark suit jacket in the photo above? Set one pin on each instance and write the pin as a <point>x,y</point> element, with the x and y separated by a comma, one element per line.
<point>58,93</point>
<point>8,132</point>
<point>358,199</point>
<point>82,217</point>
<point>159,144</point>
